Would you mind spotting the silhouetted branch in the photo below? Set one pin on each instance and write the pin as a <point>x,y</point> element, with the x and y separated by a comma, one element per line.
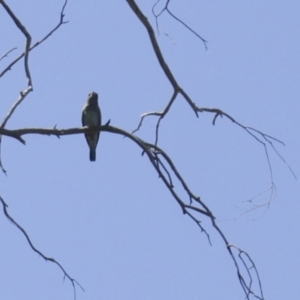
<point>6,54</point>
<point>166,8</point>
<point>264,139</point>
<point>191,204</point>
<point>26,58</point>
<point>72,280</point>
<point>28,41</point>
<point>261,137</point>
<point>154,43</point>
<point>25,54</point>
<point>166,171</point>
<point>265,205</point>
<point>61,22</point>
<point>15,105</point>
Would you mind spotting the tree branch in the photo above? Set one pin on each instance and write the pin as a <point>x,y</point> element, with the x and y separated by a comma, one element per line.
<point>25,54</point>
<point>154,43</point>
<point>166,8</point>
<point>28,41</point>
<point>61,22</point>
<point>6,54</point>
<point>166,171</point>
<point>8,216</point>
<point>264,139</point>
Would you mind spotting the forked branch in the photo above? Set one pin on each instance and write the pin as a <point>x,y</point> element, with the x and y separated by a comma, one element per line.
<point>265,139</point>
<point>25,54</point>
<point>167,9</point>
<point>191,205</point>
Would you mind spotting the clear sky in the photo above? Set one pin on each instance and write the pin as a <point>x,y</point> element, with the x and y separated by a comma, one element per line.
<point>112,224</point>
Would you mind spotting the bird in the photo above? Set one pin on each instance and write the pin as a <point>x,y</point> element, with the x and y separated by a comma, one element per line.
<point>91,116</point>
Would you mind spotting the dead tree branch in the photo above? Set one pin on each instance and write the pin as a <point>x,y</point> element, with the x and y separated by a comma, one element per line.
<point>265,139</point>
<point>61,22</point>
<point>6,54</point>
<point>26,58</point>
<point>25,54</point>
<point>27,45</point>
<point>167,9</point>
<point>192,206</point>
<point>66,275</point>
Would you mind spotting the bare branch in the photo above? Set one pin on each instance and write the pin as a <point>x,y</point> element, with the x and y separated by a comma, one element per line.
<point>154,43</point>
<point>1,165</point>
<point>249,269</point>
<point>25,54</point>
<point>15,105</point>
<point>166,8</point>
<point>264,139</point>
<point>178,90</point>
<point>260,137</point>
<point>28,40</point>
<point>29,87</point>
<point>266,205</point>
<point>190,204</point>
<point>72,280</point>
<point>6,54</point>
<point>11,111</point>
<point>61,22</point>
<point>165,169</point>
<point>247,287</point>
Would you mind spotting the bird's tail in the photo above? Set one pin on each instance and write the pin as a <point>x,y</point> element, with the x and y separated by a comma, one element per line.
<point>92,155</point>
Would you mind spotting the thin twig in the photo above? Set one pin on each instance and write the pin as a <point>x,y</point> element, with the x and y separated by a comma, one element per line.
<point>167,9</point>
<point>6,54</point>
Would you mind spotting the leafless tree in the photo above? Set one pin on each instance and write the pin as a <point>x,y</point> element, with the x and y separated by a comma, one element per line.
<point>191,205</point>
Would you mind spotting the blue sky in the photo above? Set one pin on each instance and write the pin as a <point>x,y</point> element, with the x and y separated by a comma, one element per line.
<point>112,224</point>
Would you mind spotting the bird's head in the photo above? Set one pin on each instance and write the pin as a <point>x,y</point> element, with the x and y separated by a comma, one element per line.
<point>93,98</point>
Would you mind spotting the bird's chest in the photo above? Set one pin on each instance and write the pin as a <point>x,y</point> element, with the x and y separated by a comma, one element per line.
<point>91,118</point>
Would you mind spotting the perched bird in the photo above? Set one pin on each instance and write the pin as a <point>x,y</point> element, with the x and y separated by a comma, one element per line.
<point>91,116</point>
